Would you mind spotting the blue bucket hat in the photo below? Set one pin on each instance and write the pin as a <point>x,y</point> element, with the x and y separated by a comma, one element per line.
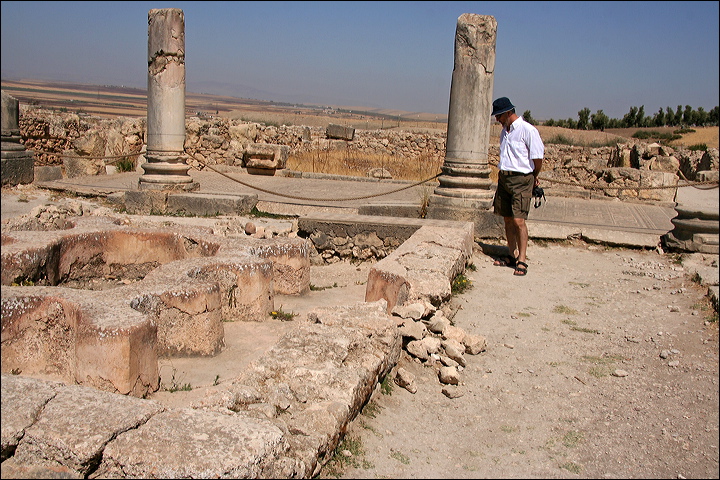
<point>502,105</point>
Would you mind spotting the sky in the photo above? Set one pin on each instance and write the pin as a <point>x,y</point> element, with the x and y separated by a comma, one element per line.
<point>552,58</point>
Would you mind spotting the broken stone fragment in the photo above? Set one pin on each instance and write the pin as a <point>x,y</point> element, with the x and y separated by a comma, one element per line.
<point>406,380</point>
<point>449,375</point>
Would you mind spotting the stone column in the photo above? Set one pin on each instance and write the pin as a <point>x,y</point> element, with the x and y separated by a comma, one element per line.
<point>17,162</point>
<point>465,180</point>
<point>166,167</point>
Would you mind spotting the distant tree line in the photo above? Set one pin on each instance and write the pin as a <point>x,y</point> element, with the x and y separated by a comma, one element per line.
<point>636,117</point>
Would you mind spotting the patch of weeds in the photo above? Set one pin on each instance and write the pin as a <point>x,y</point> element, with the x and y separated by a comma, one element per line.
<point>599,371</point>
<point>257,213</point>
<point>507,428</point>
<point>567,321</point>
<point>565,310</point>
<point>386,385</point>
<point>284,316</point>
<point>602,366</point>
<point>371,410</point>
<point>217,380</point>
<point>515,450</point>
<point>523,314</point>
<point>711,315</point>
<point>460,284</point>
<point>545,329</point>
<point>315,288</point>
<point>404,459</point>
<point>23,283</point>
<point>580,284</point>
<point>572,467</point>
<point>584,330</point>
<point>572,439</point>
<point>345,456</point>
<point>471,267</point>
<point>127,165</point>
<point>371,428</point>
<point>186,387</point>
<point>554,364</point>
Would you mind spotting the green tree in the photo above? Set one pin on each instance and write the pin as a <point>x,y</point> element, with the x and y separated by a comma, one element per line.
<point>571,124</point>
<point>629,118</point>
<point>599,120</point>
<point>640,117</point>
<point>714,116</point>
<point>527,116</point>
<point>701,117</point>
<point>659,118</point>
<point>678,116</point>
<point>549,123</point>
<point>583,117</point>
<point>688,116</point>
<point>670,117</point>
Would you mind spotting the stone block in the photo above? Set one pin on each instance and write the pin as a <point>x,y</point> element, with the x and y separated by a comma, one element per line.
<point>48,173</point>
<point>79,337</point>
<point>265,158</point>
<point>340,132</point>
<point>17,167</point>
<point>422,268</point>
<point>205,204</point>
<point>145,202</point>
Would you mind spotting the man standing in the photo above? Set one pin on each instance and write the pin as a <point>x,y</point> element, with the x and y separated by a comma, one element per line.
<point>521,157</point>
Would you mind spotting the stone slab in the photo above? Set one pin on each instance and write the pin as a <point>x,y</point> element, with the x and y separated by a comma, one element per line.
<point>76,424</point>
<point>203,204</point>
<point>188,443</point>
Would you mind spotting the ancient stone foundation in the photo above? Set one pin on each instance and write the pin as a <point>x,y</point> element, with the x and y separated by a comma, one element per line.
<point>170,293</point>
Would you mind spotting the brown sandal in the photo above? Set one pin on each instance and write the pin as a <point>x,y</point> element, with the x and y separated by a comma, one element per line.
<point>507,261</point>
<point>521,269</point>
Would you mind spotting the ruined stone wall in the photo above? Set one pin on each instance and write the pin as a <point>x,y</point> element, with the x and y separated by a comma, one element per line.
<point>221,141</point>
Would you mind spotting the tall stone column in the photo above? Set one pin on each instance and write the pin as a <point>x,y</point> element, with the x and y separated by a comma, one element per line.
<point>166,167</point>
<point>465,180</point>
<point>17,162</point>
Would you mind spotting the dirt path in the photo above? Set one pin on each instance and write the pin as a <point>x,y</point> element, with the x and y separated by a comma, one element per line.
<point>601,363</point>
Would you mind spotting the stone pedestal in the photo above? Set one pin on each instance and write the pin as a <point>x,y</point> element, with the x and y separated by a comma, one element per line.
<point>465,180</point>
<point>17,162</point>
<point>166,167</point>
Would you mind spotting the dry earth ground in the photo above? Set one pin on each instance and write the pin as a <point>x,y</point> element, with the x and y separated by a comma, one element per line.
<point>601,363</point>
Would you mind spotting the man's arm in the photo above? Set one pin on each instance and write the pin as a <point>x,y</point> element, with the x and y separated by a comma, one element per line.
<point>538,166</point>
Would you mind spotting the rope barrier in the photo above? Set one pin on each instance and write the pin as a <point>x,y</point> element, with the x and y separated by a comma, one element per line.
<point>361,197</point>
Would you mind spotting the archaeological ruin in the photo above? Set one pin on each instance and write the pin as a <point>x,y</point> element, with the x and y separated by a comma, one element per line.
<point>94,302</point>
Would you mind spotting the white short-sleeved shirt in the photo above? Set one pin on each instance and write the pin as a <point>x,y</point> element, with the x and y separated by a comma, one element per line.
<point>519,146</point>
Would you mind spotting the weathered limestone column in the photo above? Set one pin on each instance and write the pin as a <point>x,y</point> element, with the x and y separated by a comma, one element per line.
<point>465,180</point>
<point>166,168</point>
<point>17,162</point>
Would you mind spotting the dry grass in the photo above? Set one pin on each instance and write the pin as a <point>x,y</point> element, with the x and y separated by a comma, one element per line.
<point>347,162</point>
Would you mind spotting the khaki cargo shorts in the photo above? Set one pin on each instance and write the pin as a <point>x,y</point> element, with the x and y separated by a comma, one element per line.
<point>514,194</point>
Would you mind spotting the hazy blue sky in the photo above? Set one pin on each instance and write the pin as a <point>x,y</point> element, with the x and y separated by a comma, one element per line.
<point>552,58</point>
